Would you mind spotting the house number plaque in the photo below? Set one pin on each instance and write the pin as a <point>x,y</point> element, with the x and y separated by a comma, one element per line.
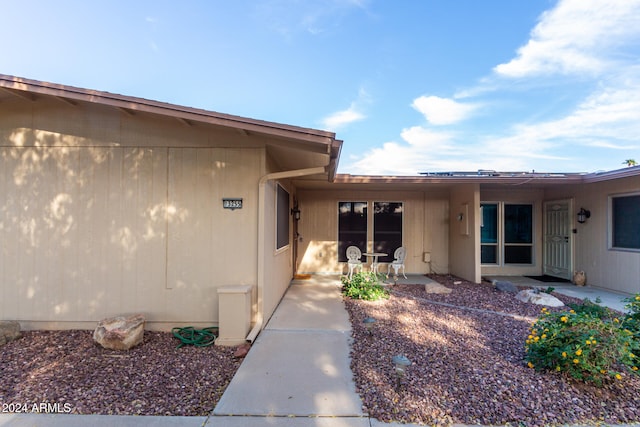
<point>232,204</point>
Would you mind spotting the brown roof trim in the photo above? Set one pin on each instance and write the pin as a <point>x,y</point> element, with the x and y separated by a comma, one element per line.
<point>31,88</point>
<point>466,179</point>
<point>508,178</point>
<point>614,174</point>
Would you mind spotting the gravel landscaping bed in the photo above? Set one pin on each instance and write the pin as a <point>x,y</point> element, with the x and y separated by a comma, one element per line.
<point>72,374</point>
<point>468,364</point>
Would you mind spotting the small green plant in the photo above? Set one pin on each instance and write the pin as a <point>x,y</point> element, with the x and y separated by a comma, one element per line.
<point>587,343</point>
<point>364,286</point>
<point>593,309</point>
<point>549,290</point>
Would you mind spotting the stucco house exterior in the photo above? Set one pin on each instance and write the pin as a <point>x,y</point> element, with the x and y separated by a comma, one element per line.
<point>111,204</point>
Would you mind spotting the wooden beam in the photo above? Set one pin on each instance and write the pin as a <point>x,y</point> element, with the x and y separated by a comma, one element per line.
<point>67,101</point>
<point>127,111</point>
<point>185,122</point>
<point>24,95</point>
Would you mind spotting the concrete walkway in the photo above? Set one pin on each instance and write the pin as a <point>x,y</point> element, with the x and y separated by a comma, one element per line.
<point>297,373</point>
<point>299,365</point>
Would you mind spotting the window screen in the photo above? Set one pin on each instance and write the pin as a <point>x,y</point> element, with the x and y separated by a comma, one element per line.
<point>282,214</point>
<point>352,227</point>
<point>625,218</point>
<point>387,228</point>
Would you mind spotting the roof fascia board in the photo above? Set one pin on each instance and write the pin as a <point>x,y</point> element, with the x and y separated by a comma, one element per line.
<point>362,179</point>
<point>610,175</point>
<point>134,104</point>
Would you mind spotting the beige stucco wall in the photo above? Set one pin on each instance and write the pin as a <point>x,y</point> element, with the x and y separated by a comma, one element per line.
<point>464,235</point>
<point>425,228</point>
<point>92,225</point>
<point>608,268</point>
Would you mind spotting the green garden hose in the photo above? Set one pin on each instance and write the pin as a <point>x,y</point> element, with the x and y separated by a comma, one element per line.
<point>197,337</point>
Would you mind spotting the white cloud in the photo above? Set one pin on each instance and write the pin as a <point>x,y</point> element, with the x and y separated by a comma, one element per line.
<point>290,17</point>
<point>342,118</point>
<point>606,119</point>
<point>577,36</point>
<point>595,40</point>
<point>442,111</point>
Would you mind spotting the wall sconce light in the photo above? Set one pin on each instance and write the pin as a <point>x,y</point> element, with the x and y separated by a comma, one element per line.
<point>295,212</point>
<point>583,214</point>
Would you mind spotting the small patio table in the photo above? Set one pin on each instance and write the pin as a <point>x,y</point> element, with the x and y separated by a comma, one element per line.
<point>374,255</point>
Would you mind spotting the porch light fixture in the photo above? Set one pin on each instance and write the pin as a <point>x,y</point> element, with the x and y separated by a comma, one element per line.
<point>368,324</point>
<point>583,214</point>
<point>400,363</point>
<point>295,212</point>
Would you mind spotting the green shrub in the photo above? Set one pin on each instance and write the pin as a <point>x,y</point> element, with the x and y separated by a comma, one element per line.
<point>593,309</point>
<point>364,286</point>
<point>631,320</point>
<point>586,343</point>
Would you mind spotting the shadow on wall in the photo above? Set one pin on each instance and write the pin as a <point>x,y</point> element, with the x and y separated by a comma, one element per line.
<point>81,227</point>
<point>319,256</point>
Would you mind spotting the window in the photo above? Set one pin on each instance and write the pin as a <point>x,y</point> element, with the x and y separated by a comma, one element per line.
<point>387,228</point>
<point>352,227</point>
<point>509,241</point>
<point>282,218</point>
<point>489,233</point>
<point>353,223</point>
<point>518,234</point>
<point>625,222</point>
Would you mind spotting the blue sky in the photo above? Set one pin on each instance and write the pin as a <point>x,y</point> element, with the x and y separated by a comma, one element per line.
<point>410,85</point>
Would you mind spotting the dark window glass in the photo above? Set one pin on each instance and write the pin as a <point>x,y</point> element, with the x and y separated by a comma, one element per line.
<point>518,224</point>
<point>352,227</point>
<point>489,226</point>
<point>488,254</point>
<point>489,234</point>
<point>517,254</point>
<point>625,218</point>
<point>387,228</point>
<point>282,214</point>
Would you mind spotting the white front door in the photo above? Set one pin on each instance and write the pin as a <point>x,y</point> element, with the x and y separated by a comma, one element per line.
<point>557,239</point>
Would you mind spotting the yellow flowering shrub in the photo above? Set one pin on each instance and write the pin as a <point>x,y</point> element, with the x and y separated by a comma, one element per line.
<point>587,343</point>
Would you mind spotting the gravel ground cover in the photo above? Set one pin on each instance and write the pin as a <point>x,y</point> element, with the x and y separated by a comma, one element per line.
<point>468,363</point>
<point>72,374</point>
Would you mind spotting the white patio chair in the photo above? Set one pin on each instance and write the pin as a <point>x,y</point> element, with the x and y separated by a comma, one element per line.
<point>353,259</point>
<point>399,255</point>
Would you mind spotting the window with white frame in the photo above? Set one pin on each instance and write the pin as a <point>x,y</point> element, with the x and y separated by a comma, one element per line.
<point>506,233</point>
<point>625,221</point>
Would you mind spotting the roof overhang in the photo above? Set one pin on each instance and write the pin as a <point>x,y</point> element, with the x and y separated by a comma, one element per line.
<point>291,146</point>
<point>447,180</point>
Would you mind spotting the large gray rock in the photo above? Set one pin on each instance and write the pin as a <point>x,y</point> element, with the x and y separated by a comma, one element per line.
<point>504,286</point>
<point>120,333</point>
<point>9,331</point>
<point>541,298</point>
